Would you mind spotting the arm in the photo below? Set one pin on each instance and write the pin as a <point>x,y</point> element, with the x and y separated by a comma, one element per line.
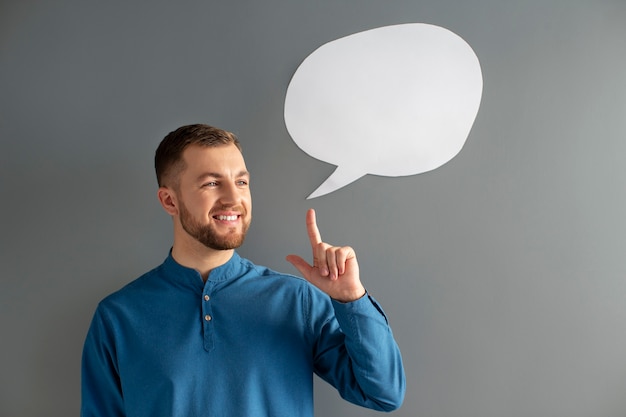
<point>357,354</point>
<point>355,351</point>
<point>101,393</point>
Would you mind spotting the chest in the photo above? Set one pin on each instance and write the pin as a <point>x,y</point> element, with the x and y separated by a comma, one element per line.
<point>242,324</point>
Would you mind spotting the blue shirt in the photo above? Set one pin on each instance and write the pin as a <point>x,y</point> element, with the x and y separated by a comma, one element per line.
<point>245,343</point>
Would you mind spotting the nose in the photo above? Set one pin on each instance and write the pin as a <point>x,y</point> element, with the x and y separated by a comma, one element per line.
<point>229,194</point>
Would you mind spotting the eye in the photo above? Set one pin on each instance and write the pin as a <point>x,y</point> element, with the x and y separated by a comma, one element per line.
<point>242,183</point>
<point>210,184</point>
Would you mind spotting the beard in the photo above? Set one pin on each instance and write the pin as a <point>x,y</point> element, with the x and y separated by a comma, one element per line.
<point>208,235</point>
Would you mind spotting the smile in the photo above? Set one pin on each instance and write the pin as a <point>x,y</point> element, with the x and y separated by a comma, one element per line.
<point>226,218</point>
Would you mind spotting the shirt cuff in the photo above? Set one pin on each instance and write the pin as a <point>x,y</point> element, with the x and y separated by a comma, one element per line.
<point>365,306</point>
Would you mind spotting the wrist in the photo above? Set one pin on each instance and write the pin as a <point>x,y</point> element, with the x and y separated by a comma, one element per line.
<point>348,298</point>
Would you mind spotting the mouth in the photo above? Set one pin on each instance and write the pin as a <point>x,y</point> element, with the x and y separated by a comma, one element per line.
<point>227,218</point>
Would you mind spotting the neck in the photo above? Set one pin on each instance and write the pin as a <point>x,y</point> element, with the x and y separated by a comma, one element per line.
<point>197,256</point>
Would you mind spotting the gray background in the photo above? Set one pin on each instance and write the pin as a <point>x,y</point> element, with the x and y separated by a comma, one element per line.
<point>502,272</point>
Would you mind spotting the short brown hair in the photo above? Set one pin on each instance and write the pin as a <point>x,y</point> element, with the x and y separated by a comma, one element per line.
<point>168,158</point>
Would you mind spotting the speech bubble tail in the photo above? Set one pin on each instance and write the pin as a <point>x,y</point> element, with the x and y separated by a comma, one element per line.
<point>338,179</point>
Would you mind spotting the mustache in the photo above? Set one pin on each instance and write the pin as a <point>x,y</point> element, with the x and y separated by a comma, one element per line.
<point>219,209</point>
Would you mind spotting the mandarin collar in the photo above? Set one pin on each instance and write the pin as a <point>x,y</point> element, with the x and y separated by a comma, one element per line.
<point>231,269</point>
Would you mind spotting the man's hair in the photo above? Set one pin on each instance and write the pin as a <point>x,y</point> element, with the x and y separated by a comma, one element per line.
<point>168,158</point>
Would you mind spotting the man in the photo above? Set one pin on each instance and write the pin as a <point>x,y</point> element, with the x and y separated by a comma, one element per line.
<point>208,333</point>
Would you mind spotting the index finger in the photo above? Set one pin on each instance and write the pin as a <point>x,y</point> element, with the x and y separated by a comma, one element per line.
<point>311,226</point>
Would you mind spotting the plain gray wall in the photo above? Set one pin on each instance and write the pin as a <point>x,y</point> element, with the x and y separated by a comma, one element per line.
<point>502,272</point>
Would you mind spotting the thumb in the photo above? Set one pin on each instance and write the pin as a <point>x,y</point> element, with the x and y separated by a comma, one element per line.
<point>300,264</point>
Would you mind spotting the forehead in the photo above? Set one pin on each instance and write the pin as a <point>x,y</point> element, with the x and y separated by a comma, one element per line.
<point>224,160</point>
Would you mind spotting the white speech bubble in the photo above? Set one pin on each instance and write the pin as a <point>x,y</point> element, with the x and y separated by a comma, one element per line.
<point>392,101</point>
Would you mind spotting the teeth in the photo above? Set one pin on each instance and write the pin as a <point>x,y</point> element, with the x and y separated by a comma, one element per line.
<point>227,218</point>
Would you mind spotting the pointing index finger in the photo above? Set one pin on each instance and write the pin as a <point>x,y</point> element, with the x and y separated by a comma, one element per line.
<point>311,226</point>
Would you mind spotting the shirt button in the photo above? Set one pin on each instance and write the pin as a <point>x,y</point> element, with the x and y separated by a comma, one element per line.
<point>206,298</point>
<point>207,317</point>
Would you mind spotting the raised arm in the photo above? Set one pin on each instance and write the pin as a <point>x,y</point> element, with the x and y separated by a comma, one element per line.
<point>355,349</point>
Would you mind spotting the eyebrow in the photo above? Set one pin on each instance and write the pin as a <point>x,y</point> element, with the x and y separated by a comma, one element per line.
<point>242,173</point>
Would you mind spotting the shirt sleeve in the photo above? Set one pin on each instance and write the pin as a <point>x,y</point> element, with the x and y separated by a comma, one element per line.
<point>101,393</point>
<point>357,354</point>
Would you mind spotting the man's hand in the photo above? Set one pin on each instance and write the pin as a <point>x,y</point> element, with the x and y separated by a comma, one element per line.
<point>335,269</point>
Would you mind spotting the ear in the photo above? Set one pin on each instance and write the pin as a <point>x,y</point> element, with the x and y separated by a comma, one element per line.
<point>167,198</point>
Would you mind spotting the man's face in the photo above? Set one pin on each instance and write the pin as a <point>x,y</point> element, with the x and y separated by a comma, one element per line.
<point>214,196</point>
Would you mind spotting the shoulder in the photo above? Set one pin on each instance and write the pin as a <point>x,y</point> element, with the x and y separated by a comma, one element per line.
<point>268,274</point>
<point>283,283</point>
<point>135,289</point>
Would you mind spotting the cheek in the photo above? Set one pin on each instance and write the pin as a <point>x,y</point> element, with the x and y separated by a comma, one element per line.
<point>199,207</point>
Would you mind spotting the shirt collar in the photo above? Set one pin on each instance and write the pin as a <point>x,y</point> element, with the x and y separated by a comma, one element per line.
<point>231,269</point>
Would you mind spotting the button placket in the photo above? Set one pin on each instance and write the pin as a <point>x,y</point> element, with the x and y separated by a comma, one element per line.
<point>207,318</point>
